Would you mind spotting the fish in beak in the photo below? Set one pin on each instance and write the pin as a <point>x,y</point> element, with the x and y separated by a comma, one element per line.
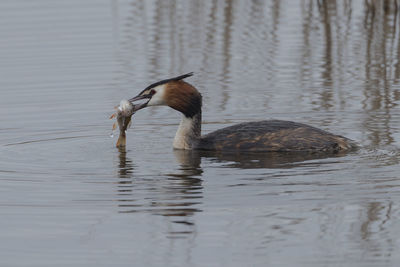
<point>123,113</point>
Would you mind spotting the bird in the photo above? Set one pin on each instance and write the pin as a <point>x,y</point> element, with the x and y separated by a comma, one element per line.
<point>253,136</point>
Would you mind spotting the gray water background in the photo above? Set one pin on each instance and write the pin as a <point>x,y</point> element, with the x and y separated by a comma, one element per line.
<point>68,197</point>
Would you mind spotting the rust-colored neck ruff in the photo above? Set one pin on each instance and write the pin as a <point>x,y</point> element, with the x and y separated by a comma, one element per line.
<point>183,97</point>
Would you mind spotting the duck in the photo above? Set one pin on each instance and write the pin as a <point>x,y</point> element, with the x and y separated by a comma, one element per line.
<point>252,136</point>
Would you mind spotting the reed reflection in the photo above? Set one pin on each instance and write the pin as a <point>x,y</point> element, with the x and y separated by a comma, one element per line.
<point>381,32</point>
<point>359,48</point>
<point>375,222</point>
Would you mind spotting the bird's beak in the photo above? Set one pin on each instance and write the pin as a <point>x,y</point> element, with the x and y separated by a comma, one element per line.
<point>140,105</point>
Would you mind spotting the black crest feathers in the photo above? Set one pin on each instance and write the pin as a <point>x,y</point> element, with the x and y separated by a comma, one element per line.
<point>181,77</point>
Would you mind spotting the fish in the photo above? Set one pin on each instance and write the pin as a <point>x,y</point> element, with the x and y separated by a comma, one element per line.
<point>123,113</point>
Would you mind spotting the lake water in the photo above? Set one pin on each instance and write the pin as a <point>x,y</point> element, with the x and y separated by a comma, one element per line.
<point>68,197</point>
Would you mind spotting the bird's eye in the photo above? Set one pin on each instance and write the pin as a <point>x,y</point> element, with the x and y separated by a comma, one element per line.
<point>152,92</point>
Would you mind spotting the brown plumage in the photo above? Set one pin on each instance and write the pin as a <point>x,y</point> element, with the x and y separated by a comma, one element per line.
<point>183,97</point>
<point>274,136</point>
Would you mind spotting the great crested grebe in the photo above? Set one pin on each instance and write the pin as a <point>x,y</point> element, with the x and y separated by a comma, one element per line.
<point>257,136</point>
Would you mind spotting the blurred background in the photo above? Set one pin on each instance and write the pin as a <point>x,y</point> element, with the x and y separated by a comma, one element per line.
<point>68,196</point>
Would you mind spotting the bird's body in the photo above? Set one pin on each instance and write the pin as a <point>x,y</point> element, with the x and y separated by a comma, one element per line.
<point>272,136</point>
<point>258,136</point>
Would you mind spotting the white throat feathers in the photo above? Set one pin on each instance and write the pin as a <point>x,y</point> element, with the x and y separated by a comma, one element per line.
<point>189,132</point>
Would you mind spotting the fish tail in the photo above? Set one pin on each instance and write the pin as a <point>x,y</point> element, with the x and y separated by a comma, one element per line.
<point>121,140</point>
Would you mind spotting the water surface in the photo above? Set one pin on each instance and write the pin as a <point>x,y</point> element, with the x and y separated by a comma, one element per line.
<point>69,197</point>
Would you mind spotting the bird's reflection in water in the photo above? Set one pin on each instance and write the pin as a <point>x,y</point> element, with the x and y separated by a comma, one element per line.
<point>185,193</point>
<point>174,195</point>
<point>178,194</point>
<point>253,160</point>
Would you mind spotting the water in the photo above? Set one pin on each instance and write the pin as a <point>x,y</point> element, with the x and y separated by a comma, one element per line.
<point>68,197</point>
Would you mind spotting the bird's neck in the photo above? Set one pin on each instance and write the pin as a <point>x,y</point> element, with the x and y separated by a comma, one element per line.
<point>189,132</point>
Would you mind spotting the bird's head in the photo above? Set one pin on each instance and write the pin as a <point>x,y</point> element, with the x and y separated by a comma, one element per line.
<point>174,93</point>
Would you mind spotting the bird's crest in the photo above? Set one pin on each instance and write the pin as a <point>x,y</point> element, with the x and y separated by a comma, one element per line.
<point>178,78</point>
